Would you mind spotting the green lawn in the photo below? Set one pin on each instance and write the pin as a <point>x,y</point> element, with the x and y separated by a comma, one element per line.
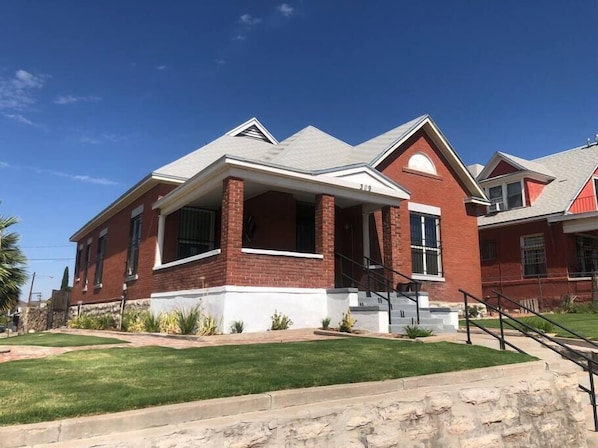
<point>109,380</point>
<point>58,340</point>
<point>585,324</point>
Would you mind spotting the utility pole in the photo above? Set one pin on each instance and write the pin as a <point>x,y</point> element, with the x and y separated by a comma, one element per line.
<point>31,290</point>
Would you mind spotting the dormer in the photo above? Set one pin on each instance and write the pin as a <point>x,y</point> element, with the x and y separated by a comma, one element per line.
<point>253,129</point>
<point>512,182</point>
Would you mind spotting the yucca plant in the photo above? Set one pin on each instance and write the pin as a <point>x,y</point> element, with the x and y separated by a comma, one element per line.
<point>208,326</point>
<point>188,320</point>
<point>151,322</point>
<point>280,321</point>
<point>415,331</point>
<point>237,326</point>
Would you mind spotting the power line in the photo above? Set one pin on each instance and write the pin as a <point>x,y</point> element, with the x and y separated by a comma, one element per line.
<point>49,259</point>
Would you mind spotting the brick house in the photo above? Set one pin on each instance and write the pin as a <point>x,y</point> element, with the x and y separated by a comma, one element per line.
<point>539,238</point>
<point>247,225</point>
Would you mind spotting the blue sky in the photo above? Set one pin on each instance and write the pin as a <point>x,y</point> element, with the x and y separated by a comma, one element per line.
<point>95,95</point>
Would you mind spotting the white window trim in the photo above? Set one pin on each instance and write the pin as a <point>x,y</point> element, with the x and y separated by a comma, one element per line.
<point>522,249</point>
<point>281,253</point>
<point>431,169</point>
<point>171,264</point>
<point>137,211</point>
<point>104,232</point>
<point>427,277</point>
<point>505,198</point>
<point>424,208</point>
<point>595,182</point>
<point>438,250</point>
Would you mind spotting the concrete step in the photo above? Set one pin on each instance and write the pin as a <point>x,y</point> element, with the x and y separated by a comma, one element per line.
<point>436,328</point>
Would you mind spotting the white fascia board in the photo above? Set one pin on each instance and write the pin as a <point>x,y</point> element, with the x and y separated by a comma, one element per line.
<point>587,223</point>
<point>357,173</point>
<point>548,218</point>
<point>144,185</point>
<point>477,201</point>
<point>252,122</point>
<point>514,177</point>
<point>212,176</point>
<point>446,149</point>
<point>573,216</point>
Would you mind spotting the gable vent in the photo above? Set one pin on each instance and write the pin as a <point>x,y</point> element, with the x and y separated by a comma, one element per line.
<point>253,132</point>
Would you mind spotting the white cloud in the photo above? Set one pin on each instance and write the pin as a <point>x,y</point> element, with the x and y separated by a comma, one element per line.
<point>17,92</point>
<point>82,178</point>
<point>285,9</point>
<point>239,37</point>
<point>20,119</point>
<point>3,164</point>
<point>71,99</point>
<point>161,67</point>
<point>101,138</point>
<point>249,20</point>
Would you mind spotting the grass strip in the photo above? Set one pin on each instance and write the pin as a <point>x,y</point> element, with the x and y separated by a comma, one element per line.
<point>58,340</point>
<point>110,380</point>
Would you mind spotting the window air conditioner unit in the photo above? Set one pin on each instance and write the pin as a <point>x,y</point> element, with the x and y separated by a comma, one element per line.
<point>495,207</point>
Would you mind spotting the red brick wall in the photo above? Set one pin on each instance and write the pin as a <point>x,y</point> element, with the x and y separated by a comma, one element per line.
<point>232,227</point>
<point>189,275</point>
<point>117,242</point>
<point>505,273</point>
<point>501,169</point>
<point>391,230</point>
<point>274,215</point>
<point>458,223</point>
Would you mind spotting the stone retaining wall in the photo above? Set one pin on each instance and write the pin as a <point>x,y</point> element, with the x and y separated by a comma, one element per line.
<point>36,319</point>
<point>522,405</point>
<point>110,308</point>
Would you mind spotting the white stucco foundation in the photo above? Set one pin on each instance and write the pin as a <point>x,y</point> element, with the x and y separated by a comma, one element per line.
<point>255,305</point>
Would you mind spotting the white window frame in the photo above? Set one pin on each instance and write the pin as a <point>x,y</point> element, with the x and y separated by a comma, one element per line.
<point>429,211</point>
<point>504,189</point>
<point>101,255</point>
<point>523,249</point>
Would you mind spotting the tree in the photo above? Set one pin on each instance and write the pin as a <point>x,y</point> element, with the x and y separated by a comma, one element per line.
<point>12,265</point>
<point>64,286</point>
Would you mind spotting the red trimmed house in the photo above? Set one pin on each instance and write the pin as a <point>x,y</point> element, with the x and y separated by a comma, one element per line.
<point>539,238</point>
<point>247,225</point>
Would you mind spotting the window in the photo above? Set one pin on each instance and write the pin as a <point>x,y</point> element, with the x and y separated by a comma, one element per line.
<point>533,256</point>
<point>425,244</point>
<point>488,250</point>
<point>508,195</point>
<point>421,162</point>
<point>306,228</point>
<point>78,261</point>
<point>134,242</point>
<point>596,190</point>
<point>587,255</point>
<point>87,263</point>
<point>196,231</point>
<point>100,260</point>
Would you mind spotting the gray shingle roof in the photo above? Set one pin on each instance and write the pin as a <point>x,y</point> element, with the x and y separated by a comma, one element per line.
<point>529,165</point>
<point>571,170</point>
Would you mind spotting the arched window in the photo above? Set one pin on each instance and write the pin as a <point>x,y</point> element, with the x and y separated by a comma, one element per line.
<point>421,162</point>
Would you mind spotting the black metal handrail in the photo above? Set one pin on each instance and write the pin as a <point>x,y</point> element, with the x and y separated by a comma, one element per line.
<point>411,281</point>
<point>367,285</point>
<point>538,336</point>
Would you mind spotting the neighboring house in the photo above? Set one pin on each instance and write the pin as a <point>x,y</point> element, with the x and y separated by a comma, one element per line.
<point>249,225</point>
<point>539,238</point>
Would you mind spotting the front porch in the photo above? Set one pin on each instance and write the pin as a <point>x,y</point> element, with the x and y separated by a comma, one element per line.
<point>246,241</point>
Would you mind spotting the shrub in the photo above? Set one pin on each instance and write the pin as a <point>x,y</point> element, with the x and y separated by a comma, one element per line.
<point>415,331</point>
<point>105,322</point>
<point>325,323</point>
<point>151,322</point>
<point>347,322</point>
<point>280,321</point>
<point>188,320</point>
<point>208,326</point>
<point>130,321</point>
<point>237,326</point>
<point>473,311</point>
<point>169,323</point>
<point>541,325</point>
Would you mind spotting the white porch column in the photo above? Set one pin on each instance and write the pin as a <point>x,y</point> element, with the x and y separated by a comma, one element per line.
<point>160,240</point>
<point>365,224</point>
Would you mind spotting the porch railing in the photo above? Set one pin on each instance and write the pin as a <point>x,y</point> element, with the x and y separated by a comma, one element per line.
<point>379,284</point>
<point>582,360</point>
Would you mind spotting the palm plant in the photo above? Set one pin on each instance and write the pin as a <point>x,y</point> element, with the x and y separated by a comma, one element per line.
<point>12,265</point>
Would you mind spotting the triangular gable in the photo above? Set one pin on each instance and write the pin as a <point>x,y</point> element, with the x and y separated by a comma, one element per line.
<point>585,198</point>
<point>502,164</point>
<point>252,128</point>
<point>445,148</point>
<point>368,179</point>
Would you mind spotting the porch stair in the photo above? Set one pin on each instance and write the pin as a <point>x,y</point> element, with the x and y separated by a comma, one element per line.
<point>404,312</point>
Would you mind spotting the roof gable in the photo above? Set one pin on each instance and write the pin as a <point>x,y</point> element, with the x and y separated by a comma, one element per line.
<point>502,164</point>
<point>252,128</point>
<point>380,148</point>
